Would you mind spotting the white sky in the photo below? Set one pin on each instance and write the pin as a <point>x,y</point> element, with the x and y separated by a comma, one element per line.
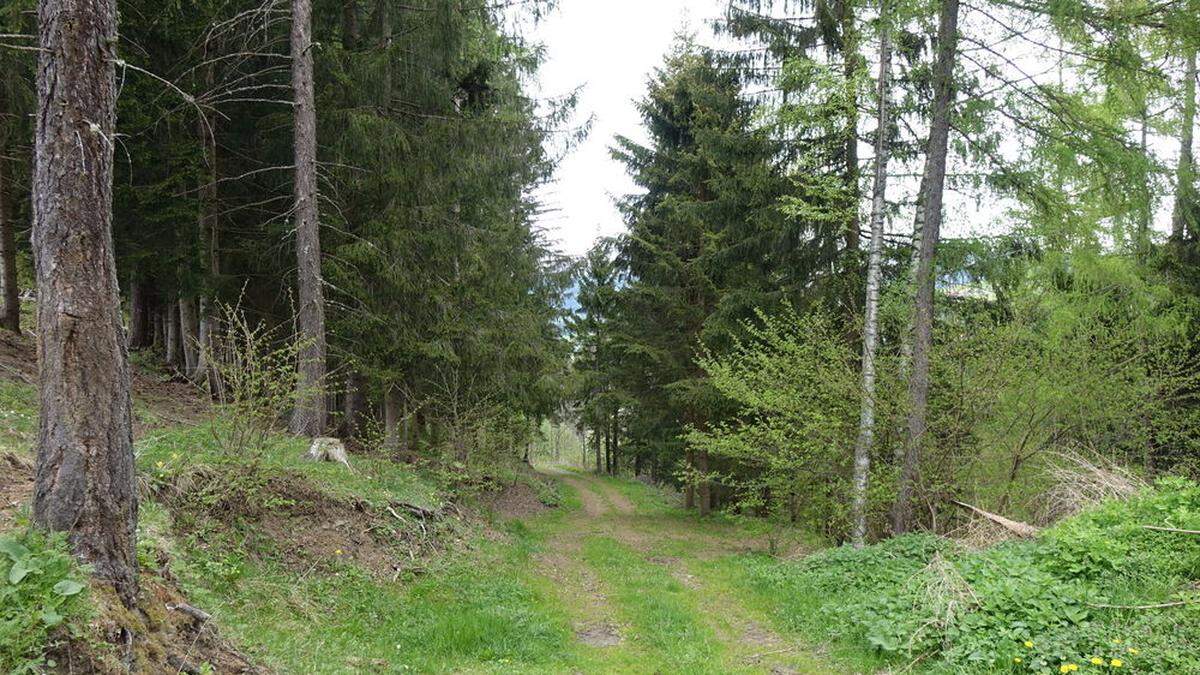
<point>610,47</point>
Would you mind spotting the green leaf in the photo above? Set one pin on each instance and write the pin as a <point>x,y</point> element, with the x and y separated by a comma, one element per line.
<point>50,617</point>
<point>19,571</point>
<point>68,587</point>
<point>13,549</point>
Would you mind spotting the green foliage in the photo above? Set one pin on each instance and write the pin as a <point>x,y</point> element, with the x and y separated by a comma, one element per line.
<point>42,590</point>
<point>1030,606</point>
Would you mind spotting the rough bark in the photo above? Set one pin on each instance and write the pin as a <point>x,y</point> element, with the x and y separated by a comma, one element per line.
<point>866,422</point>
<point>308,418</point>
<point>84,481</point>
<point>11,318</point>
<point>1186,207</point>
<point>934,182</point>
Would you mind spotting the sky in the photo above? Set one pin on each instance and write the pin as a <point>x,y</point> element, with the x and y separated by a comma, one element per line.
<point>610,48</point>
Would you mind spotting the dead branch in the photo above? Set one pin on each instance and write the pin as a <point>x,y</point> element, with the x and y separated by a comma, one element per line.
<point>1014,526</point>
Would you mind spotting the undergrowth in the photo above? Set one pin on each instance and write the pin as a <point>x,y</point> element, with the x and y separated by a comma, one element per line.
<point>42,593</point>
<point>1096,593</point>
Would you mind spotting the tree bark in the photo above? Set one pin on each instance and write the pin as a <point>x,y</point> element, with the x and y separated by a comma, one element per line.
<point>391,418</point>
<point>137,315</point>
<point>866,420</point>
<point>705,487</point>
<point>596,442</point>
<point>174,355</point>
<point>188,331</point>
<point>354,404</point>
<point>1186,207</point>
<point>851,63</point>
<point>616,445</point>
<point>308,418</point>
<point>934,181</point>
<point>350,30</point>
<point>8,252</point>
<point>84,481</point>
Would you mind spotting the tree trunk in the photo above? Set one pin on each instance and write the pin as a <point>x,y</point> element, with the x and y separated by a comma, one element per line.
<point>705,491</point>
<point>354,404</point>
<point>689,490</point>
<point>384,14</point>
<point>8,252</point>
<point>616,446</point>
<point>607,449</point>
<point>85,474</point>
<point>350,30</point>
<point>934,180</point>
<point>866,421</point>
<point>596,442</point>
<point>188,332</point>
<point>391,418</point>
<point>1184,214</point>
<point>205,371</point>
<point>851,63</point>
<point>137,315</point>
<point>174,355</point>
<point>308,419</point>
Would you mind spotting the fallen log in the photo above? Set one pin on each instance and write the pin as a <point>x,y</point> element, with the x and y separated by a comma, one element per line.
<point>1016,527</point>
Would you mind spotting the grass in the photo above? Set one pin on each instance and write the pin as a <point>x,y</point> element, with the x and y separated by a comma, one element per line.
<point>1023,606</point>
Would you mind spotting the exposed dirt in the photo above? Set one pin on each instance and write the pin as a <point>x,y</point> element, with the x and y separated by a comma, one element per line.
<point>519,499</point>
<point>286,518</point>
<point>16,488</point>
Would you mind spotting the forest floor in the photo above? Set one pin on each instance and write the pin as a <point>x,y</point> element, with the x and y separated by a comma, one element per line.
<point>646,588</point>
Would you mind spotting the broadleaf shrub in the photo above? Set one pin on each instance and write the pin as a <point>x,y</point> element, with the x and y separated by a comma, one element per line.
<point>41,590</point>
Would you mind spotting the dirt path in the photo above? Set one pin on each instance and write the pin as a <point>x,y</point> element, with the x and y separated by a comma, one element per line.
<point>637,579</point>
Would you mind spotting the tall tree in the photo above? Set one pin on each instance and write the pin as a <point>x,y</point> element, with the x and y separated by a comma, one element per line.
<point>933,184</point>
<point>309,416</point>
<point>85,473</point>
<point>866,424</point>
<point>1186,208</point>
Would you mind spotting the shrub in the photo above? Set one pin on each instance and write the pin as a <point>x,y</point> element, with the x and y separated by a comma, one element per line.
<point>41,590</point>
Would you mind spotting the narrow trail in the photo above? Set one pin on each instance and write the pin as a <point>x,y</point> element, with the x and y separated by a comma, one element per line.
<point>637,579</point>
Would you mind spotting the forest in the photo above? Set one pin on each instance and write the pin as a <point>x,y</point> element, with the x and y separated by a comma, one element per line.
<point>891,367</point>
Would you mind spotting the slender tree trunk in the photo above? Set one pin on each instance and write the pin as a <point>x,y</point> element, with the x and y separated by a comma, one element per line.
<point>209,244</point>
<point>616,445</point>
<point>607,449</point>
<point>8,251</point>
<point>852,61</point>
<point>350,30</point>
<point>934,179</point>
<point>137,315</point>
<point>689,490</point>
<point>174,355</point>
<point>384,14</point>
<point>354,404</point>
<point>85,476</point>
<point>596,442</point>
<point>308,419</point>
<point>866,421</point>
<point>1186,207</point>
<point>705,491</point>
<point>391,418</point>
<point>189,330</point>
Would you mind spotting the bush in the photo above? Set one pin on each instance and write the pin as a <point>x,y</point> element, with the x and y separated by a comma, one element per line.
<point>41,590</point>
<point>1085,593</point>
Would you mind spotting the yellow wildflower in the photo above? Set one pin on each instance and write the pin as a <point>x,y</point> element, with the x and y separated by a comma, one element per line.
<point>158,464</point>
<point>338,552</point>
<point>1133,650</point>
<point>1029,644</point>
<point>1116,663</point>
<point>1016,659</point>
<point>1068,668</point>
<point>1097,661</point>
<point>1116,641</point>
